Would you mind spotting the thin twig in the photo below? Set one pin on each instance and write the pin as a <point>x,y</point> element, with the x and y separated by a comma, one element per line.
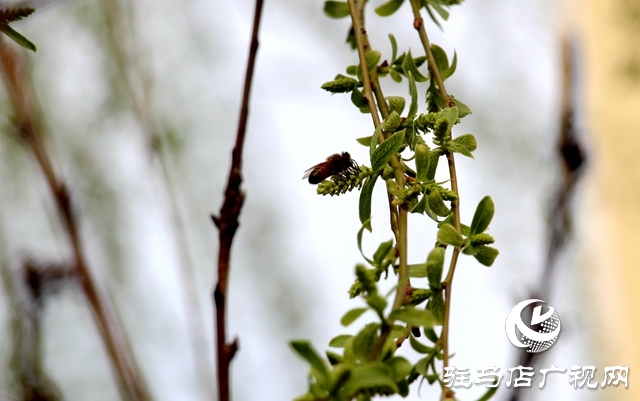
<point>418,24</point>
<point>128,375</point>
<point>227,222</point>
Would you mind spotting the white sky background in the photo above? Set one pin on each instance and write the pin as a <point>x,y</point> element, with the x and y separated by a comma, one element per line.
<point>295,251</point>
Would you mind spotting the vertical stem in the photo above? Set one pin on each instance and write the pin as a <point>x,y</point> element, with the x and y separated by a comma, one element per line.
<point>227,222</point>
<point>455,205</point>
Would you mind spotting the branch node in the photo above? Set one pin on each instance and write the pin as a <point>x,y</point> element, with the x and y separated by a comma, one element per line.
<point>216,220</point>
<point>233,348</point>
<point>417,23</point>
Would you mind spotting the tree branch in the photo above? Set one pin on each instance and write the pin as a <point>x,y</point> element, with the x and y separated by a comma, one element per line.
<point>227,222</point>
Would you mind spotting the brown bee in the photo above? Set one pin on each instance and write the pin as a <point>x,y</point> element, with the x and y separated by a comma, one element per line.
<point>340,165</point>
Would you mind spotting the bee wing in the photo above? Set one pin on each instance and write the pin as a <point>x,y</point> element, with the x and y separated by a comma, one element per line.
<point>308,172</point>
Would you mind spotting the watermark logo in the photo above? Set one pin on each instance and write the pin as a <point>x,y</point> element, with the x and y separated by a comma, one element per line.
<point>541,333</point>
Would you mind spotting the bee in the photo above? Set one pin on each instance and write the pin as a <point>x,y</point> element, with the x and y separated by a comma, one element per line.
<point>341,165</point>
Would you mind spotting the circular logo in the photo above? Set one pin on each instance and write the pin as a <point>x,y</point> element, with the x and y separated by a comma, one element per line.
<point>543,331</point>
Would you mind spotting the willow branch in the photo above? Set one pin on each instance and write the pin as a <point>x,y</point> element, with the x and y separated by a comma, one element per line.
<point>401,234</point>
<point>227,222</point>
<point>129,377</point>
<point>418,24</point>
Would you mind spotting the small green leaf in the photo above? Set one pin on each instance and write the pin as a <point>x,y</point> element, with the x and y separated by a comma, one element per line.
<point>394,47</point>
<point>383,252</point>
<point>401,367</point>
<point>435,262</point>
<point>440,56</point>
<point>486,255</point>
<point>436,204</point>
<point>395,76</point>
<point>421,206</point>
<point>386,150</point>
<point>357,98</point>
<point>418,346</point>
<point>396,103</point>
<point>364,341</point>
<point>318,365</point>
<point>463,109</point>
<point>451,114</point>
<point>336,9</point>
<point>433,163</point>
<point>413,91</point>
<point>436,306</point>
<point>389,8</point>
<point>458,148</point>
<point>375,138</point>
<point>366,141</point>
<point>415,317</point>
<point>468,141</point>
<point>418,270</point>
<point>423,158</point>
<point>17,37</point>
<point>431,335</point>
<point>409,66</point>
<point>352,70</point>
<point>339,341</point>
<point>449,71</point>
<point>364,204</point>
<point>373,58</point>
<point>449,236</point>
<point>392,122</point>
<point>377,303</point>
<point>351,316</point>
<point>370,375</point>
<point>443,13</point>
<point>483,215</point>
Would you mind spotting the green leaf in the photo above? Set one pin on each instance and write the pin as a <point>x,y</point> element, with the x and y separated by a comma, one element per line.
<point>351,316</point>
<point>413,91</point>
<point>364,206</point>
<point>394,47</point>
<point>443,13</point>
<point>352,70</point>
<point>431,335</point>
<point>433,163</point>
<point>418,346</point>
<point>449,236</point>
<point>423,158</point>
<point>449,71</point>
<point>463,109</point>
<point>396,103</point>
<point>370,375</point>
<point>468,141</point>
<point>458,148</point>
<point>365,341</point>
<point>436,204</point>
<point>409,66</point>
<point>483,215</point>
<point>421,206</point>
<point>415,317</point>
<point>318,365</point>
<point>339,341</point>
<point>378,304</point>
<point>436,306</point>
<point>375,138</point>
<point>366,141</point>
<point>386,150</point>
<point>392,122</point>
<point>17,37</point>
<point>366,224</point>
<point>417,270</point>
<point>440,56</point>
<point>357,98</point>
<point>389,8</point>
<point>489,393</point>
<point>435,261</point>
<point>451,114</point>
<point>383,252</point>
<point>401,367</point>
<point>373,58</point>
<point>395,76</point>
<point>334,358</point>
<point>336,9</point>
<point>486,255</point>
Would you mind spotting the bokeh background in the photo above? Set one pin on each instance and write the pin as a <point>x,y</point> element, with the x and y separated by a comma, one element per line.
<point>139,101</point>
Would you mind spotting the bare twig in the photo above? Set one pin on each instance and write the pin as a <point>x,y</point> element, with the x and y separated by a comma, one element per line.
<point>227,222</point>
<point>128,375</point>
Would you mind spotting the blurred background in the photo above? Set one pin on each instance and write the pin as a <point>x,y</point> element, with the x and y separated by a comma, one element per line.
<point>137,103</point>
